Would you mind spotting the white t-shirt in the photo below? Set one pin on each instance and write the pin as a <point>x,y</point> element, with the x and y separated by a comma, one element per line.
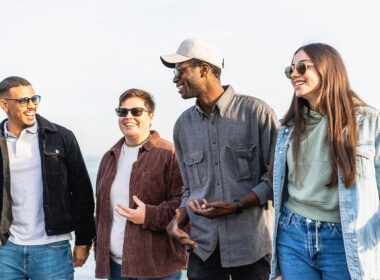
<point>120,195</point>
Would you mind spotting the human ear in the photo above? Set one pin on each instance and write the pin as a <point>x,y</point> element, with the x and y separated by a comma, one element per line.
<point>4,105</point>
<point>204,69</point>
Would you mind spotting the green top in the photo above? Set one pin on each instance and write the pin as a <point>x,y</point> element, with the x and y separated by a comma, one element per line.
<point>308,194</point>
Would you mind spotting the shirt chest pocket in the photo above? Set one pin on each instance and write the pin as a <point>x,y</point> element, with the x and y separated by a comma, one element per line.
<point>151,188</point>
<point>195,168</point>
<point>54,159</point>
<point>243,162</point>
<point>364,160</point>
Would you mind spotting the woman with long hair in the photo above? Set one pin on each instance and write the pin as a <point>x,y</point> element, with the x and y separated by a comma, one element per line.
<point>326,176</point>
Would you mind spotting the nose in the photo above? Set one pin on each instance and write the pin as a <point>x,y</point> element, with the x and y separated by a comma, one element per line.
<point>176,79</point>
<point>129,115</point>
<point>30,104</point>
<point>294,73</point>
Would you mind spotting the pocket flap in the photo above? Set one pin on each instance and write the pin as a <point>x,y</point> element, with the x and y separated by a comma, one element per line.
<point>242,151</point>
<point>363,151</point>
<point>193,158</point>
<point>51,151</point>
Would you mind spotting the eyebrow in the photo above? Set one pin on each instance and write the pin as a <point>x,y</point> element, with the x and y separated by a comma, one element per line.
<point>304,60</point>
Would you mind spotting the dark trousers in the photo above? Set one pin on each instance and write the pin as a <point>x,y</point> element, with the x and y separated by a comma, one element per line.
<point>211,269</point>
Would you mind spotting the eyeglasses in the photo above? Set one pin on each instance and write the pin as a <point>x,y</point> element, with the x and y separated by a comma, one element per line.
<point>24,101</point>
<point>136,112</point>
<point>301,68</point>
<point>179,71</point>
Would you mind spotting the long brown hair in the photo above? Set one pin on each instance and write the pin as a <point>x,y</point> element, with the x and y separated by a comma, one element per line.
<point>337,101</point>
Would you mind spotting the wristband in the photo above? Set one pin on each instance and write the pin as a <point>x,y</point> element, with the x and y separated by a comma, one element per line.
<point>86,247</point>
<point>240,206</point>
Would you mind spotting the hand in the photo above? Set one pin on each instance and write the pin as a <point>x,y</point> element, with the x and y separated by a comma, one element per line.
<point>80,256</point>
<point>212,210</point>
<point>136,216</point>
<point>279,278</point>
<point>174,231</point>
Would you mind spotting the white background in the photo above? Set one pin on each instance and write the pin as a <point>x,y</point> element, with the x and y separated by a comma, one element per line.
<point>81,55</point>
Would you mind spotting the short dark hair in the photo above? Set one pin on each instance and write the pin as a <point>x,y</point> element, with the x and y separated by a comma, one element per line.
<point>215,70</point>
<point>11,82</point>
<point>134,92</point>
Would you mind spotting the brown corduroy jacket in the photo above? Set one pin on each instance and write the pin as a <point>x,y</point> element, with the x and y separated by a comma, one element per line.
<point>148,251</point>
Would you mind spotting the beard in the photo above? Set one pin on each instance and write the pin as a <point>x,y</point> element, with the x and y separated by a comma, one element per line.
<point>191,89</point>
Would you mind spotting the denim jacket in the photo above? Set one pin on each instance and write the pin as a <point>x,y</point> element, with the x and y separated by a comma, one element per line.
<point>359,205</point>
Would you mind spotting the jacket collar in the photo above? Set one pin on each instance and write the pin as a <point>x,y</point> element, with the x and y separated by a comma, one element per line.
<point>148,145</point>
<point>42,124</point>
<point>45,124</point>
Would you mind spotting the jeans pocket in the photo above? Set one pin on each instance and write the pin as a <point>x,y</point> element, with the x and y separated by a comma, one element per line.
<point>283,221</point>
<point>336,229</point>
<point>286,218</point>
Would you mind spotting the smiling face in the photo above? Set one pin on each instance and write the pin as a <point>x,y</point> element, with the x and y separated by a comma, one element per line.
<point>19,117</point>
<point>187,82</point>
<point>135,128</point>
<point>307,85</point>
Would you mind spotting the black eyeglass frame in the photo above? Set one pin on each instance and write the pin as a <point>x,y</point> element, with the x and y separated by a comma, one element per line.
<point>301,68</point>
<point>24,101</point>
<point>135,111</point>
<point>179,71</point>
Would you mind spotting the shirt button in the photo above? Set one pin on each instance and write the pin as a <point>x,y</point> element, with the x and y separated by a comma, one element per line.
<point>286,130</point>
<point>57,151</point>
<point>280,152</point>
<point>216,163</point>
<point>214,142</point>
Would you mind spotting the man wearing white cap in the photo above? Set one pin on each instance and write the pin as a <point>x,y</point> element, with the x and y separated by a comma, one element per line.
<point>224,144</point>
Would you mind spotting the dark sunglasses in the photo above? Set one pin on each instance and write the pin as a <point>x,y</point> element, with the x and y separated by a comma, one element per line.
<point>24,101</point>
<point>136,112</point>
<point>301,68</point>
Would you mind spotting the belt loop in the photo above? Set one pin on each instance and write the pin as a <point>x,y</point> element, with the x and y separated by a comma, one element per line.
<point>289,218</point>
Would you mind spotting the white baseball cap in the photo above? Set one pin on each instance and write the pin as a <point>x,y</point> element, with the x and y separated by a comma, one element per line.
<point>195,48</point>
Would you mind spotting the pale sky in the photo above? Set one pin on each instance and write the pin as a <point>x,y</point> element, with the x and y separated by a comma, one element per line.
<point>81,55</point>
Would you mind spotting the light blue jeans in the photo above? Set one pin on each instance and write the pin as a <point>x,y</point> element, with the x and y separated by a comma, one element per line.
<point>116,274</point>
<point>309,249</point>
<point>38,262</point>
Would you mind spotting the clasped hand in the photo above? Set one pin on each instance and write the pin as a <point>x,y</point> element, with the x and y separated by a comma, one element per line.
<point>213,209</point>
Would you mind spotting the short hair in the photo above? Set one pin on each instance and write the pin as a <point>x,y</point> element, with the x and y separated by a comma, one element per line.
<point>134,92</point>
<point>11,82</point>
<point>215,70</point>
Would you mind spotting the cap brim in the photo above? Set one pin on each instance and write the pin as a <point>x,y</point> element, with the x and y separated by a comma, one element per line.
<point>171,60</point>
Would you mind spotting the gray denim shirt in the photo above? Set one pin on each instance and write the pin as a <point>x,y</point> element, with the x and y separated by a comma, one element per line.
<point>225,156</point>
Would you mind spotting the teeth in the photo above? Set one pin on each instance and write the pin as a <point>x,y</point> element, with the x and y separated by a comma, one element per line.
<point>299,83</point>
